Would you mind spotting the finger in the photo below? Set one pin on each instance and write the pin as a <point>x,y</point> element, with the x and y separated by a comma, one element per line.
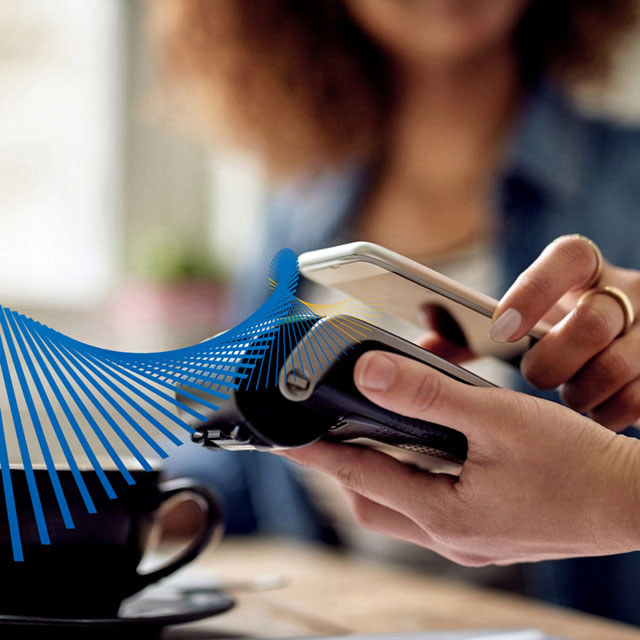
<point>621,409</point>
<point>378,477</point>
<point>529,557</point>
<point>567,263</point>
<point>415,390</point>
<point>605,374</point>
<point>584,332</point>
<point>377,517</point>
<point>435,343</point>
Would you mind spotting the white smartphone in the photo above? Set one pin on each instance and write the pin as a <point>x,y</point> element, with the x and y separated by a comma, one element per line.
<point>366,271</point>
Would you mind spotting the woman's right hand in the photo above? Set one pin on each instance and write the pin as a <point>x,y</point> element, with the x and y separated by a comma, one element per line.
<point>540,481</point>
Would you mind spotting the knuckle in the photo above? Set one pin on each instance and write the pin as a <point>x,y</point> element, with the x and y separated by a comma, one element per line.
<point>613,366</point>
<point>524,415</point>
<point>348,474</point>
<point>627,402</point>
<point>574,397</point>
<point>575,250</point>
<point>595,324</point>
<point>536,285</point>
<point>425,394</point>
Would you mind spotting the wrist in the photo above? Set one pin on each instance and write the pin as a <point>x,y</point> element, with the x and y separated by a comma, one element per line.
<point>633,444</point>
<point>618,503</point>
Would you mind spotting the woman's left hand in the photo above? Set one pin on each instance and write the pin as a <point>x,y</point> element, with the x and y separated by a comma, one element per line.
<point>586,353</point>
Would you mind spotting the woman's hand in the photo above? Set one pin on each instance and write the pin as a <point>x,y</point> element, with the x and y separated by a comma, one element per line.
<point>540,480</point>
<point>585,353</point>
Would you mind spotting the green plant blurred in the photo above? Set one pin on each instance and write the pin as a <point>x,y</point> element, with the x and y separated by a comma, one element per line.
<point>170,257</point>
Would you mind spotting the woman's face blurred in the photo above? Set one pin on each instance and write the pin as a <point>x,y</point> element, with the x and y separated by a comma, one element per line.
<point>438,32</point>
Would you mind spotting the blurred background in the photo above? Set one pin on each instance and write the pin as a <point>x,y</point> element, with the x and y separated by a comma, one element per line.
<point>115,226</point>
<point>113,229</point>
<point>121,228</point>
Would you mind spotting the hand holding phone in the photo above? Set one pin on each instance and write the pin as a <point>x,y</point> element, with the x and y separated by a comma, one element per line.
<point>408,289</point>
<point>316,398</point>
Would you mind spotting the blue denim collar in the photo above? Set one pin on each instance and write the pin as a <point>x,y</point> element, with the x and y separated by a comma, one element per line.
<point>549,144</point>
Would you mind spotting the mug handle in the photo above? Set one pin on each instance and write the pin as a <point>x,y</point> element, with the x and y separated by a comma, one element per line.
<point>212,530</point>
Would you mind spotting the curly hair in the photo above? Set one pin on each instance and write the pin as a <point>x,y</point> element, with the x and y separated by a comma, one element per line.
<point>301,82</point>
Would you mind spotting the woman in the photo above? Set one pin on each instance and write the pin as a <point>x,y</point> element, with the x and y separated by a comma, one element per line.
<point>440,129</point>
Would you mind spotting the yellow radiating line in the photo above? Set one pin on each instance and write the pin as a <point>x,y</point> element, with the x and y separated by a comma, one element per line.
<point>344,307</point>
<point>349,319</point>
<point>346,303</point>
<point>353,328</point>
<point>335,321</point>
<point>355,311</point>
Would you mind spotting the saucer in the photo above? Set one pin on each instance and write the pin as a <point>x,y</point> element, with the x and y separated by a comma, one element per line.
<point>145,614</point>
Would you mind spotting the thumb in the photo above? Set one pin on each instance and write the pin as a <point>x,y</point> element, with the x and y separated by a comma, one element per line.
<point>415,390</point>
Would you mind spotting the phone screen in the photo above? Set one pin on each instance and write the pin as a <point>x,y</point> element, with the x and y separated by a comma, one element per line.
<point>408,309</point>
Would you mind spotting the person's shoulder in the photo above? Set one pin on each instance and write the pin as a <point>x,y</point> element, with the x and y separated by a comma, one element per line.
<point>564,124</point>
<point>614,145</point>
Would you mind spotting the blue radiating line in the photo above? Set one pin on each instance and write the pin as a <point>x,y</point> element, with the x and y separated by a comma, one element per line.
<point>116,405</point>
<point>9,497</point>
<point>22,441</point>
<point>86,447</point>
<point>35,420</point>
<point>143,412</point>
<point>105,443</point>
<point>71,461</point>
<point>129,382</point>
<point>148,399</point>
<point>105,414</point>
<point>165,396</point>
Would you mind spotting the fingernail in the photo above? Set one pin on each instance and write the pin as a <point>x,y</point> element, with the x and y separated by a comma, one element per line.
<point>377,373</point>
<point>505,326</point>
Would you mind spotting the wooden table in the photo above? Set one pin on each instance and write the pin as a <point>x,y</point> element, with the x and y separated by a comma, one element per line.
<point>332,594</point>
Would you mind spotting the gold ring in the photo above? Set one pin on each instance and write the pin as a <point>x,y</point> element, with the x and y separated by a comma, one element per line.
<point>620,297</point>
<point>597,272</point>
